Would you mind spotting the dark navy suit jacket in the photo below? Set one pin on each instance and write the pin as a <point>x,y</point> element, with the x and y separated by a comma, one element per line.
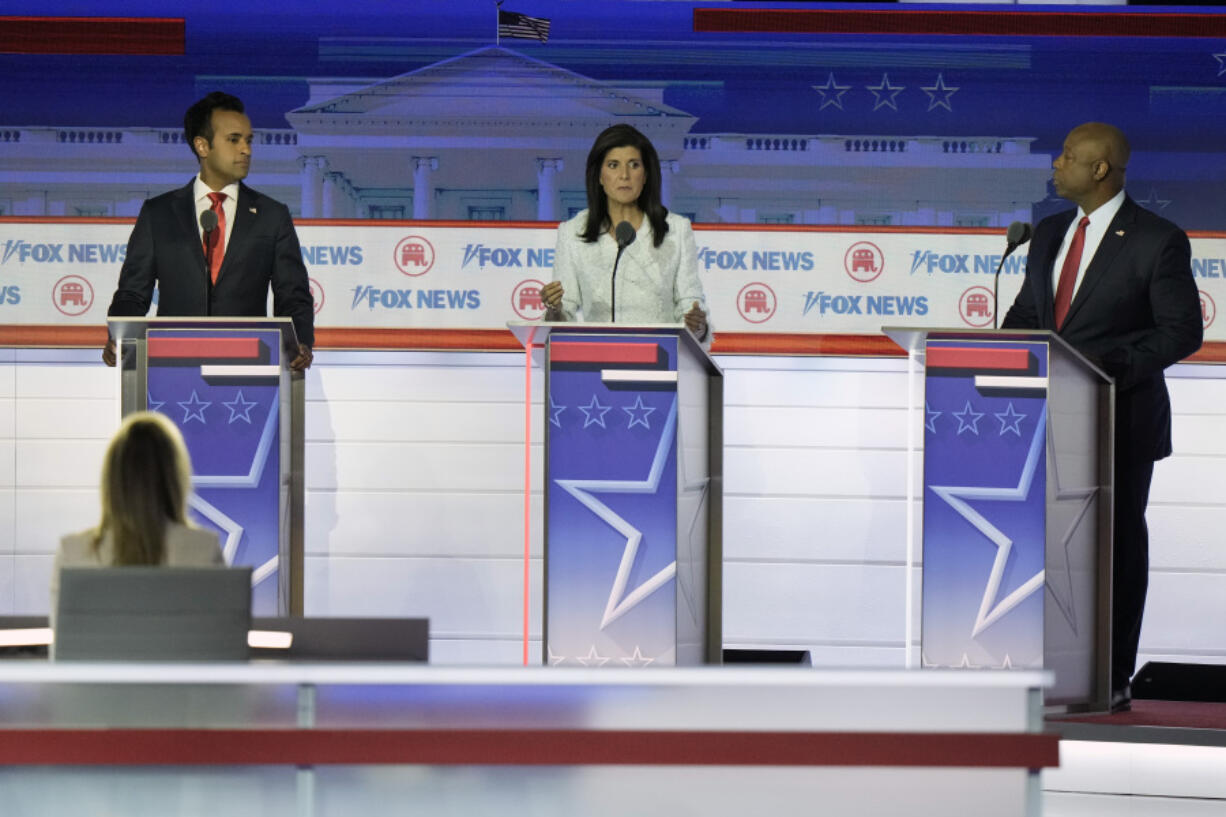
<point>1136,312</point>
<point>262,252</point>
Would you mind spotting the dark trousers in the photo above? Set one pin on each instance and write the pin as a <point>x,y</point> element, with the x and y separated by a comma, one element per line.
<point>1130,566</point>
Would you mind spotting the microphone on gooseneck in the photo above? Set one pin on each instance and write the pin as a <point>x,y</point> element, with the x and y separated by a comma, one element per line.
<point>625,237</point>
<point>208,222</point>
<point>1017,235</point>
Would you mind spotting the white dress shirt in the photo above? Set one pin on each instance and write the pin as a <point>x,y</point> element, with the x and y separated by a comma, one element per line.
<point>200,192</point>
<point>1100,220</point>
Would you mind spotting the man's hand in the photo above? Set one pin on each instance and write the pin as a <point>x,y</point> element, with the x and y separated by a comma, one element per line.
<point>696,321</point>
<point>551,294</point>
<point>303,361</point>
<point>108,352</point>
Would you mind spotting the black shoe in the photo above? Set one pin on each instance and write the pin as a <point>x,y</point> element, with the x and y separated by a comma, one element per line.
<point>1121,699</point>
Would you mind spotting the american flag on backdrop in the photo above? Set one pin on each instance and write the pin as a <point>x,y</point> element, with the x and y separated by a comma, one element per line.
<point>513,25</point>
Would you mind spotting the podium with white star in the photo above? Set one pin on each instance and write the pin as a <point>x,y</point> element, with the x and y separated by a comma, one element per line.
<point>633,419</point>
<point>1017,483</point>
<point>226,384</point>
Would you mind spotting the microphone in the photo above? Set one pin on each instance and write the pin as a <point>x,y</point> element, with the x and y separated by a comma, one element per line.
<point>1017,235</point>
<point>625,237</point>
<point>208,222</point>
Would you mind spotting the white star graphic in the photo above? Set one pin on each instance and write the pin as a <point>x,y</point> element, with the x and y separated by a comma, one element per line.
<point>593,412</point>
<point>637,659</point>
<point>592,659</point>
<point>638,412</point>
<point>240,409</point>
<point>620,602</point>
<point>1221,63</point>
<point>194,408</point>
<point>939,90</point>
<point>1073,504</point>
<point>554,660</point>
<point>554,411</point>
<point>832,93</point>
<point>153,405</point>
<point>968,418</point>
<point>1153,202</point>
<point>931,422</point>
<point>1010,420</point>
<point>989,608</point>
<point>885,93</point>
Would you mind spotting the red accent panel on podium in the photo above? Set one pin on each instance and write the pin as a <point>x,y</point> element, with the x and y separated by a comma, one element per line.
<point>203,348</point>
<point>952,357</point>
<point>565,351</point>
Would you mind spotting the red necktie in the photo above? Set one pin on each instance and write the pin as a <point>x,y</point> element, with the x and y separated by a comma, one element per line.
<point>215,239</point>
<point>1068,273</point>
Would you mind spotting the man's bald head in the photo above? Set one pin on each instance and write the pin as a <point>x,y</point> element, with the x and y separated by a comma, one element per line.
<point>1090,171</point>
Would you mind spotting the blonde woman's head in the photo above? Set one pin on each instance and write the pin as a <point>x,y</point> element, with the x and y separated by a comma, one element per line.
<point>146,481</point>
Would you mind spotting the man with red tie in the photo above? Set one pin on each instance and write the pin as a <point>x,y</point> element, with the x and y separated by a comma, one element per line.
<point>1115,281</point>
<point>226,270</point>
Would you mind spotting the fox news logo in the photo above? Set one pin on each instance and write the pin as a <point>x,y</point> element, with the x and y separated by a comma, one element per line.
<point>965,263</point>
<point>21,251</point>
<point>325,255</point>
<point>761,260</point>
<point>372,297</point>
<point>826,303</point>
<point>483,255</point>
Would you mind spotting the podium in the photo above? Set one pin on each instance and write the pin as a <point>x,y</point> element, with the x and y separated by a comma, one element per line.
<point>226,383</point>
<point>1017,482</point>
<point>633,488</point>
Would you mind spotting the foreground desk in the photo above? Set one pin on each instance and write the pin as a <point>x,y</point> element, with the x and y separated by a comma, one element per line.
<point>378,739</point>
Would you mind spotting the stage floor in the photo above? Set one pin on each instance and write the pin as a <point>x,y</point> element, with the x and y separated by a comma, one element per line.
<point>1162,759</point>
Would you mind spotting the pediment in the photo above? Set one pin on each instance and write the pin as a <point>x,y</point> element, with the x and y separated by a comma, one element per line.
<point>489,83</point>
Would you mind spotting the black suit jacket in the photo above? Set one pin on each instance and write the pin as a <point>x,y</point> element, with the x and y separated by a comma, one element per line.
<point>1136,312</point>
<point>165,249</point>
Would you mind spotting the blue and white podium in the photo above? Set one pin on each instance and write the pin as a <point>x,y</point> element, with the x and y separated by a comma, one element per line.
<point>633,419</point>
<point>226,383</point>
<point>1017,484</point>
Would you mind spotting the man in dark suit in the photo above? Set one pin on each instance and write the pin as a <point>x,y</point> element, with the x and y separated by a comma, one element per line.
<point>1115,281</point>
<point>228,270</point>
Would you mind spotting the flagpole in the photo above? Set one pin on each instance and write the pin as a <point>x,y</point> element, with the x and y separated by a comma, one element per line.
<point>497,31</point>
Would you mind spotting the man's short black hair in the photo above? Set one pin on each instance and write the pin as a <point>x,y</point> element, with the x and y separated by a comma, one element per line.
<point>198,121</point>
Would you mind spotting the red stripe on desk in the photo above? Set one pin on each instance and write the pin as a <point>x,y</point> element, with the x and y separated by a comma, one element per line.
<point>205,348</point>
<point>153,36</point>
<point>568,351</point>
<point>955,357</point>
<point>1095,23</point>
<point>520,747</point>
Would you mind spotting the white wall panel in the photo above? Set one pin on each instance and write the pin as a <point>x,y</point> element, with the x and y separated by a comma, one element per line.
<point>31,584</point>
<point>8,463</point>
<point>1189,480</point>
<point>805,529</point>
<point>67,381</point>
<point>63,463</point>
<point>815,427</point>
<point>462,597</point>
<point>355,523</point>
<point>1187,537</point>
<point>42,418</point>
<point>1185,611</point>
<point>815,472</point>
<point>8,418</point>
<point>417,466</point>
<point>847,389</point>
<point>46,514</point>
<point>393,421</point>
<point>8,523</point>
<point>802,603</point>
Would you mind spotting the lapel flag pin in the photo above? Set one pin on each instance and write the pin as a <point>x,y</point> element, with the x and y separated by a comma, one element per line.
<point>252,209</point>
<point>1120,233</point>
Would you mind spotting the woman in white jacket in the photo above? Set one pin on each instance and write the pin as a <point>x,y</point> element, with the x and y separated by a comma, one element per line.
<point>656,278</point>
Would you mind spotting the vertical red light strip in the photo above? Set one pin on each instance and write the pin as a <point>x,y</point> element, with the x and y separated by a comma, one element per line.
<point>527,480</point>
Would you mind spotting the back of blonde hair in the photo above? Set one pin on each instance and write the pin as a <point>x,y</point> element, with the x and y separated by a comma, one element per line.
<point>146,481</point>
